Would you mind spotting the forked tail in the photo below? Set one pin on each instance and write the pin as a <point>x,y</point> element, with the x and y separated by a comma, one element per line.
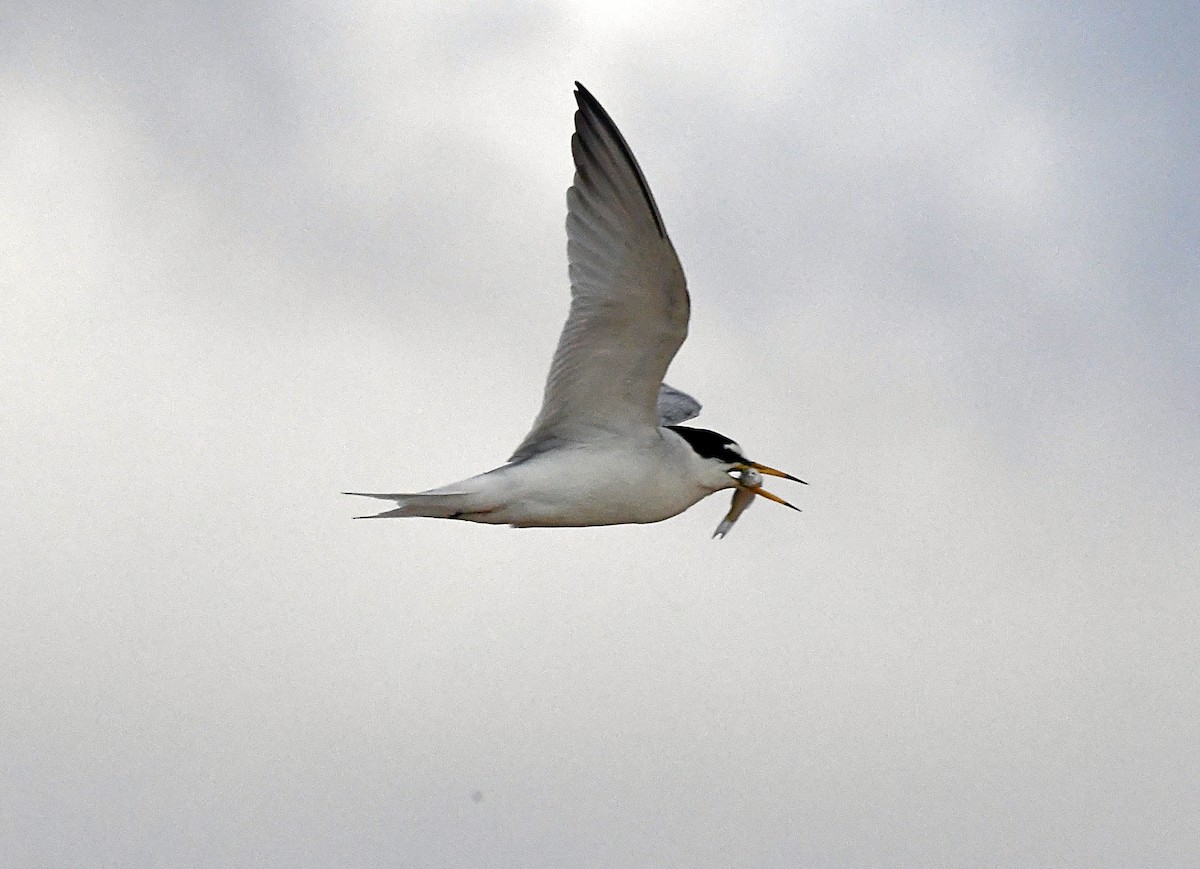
<point>434,505</point>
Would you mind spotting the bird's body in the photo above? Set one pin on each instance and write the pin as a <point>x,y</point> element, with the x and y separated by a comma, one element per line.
<point>606,447</point>
<point>610,481</point>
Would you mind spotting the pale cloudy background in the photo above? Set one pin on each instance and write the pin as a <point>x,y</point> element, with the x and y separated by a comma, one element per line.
<point>943,265</point>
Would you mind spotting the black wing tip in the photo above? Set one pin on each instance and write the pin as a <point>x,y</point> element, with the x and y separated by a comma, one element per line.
<point>589,105</point>
<point>584,99</point>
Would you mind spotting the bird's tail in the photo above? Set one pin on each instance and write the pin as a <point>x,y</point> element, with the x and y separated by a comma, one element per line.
<point>434,504</point>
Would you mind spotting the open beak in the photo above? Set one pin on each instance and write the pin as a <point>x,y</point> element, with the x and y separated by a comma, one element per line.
<point>759,490</point>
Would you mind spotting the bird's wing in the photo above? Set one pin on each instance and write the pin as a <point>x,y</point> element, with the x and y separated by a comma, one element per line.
<point>629,301</point>
<point>675,407</point>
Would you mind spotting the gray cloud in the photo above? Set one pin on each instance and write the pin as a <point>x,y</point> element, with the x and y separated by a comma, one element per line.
<point>942,266</point>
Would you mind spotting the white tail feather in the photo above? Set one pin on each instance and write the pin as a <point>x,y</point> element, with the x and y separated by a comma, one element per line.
<point>434,505</point>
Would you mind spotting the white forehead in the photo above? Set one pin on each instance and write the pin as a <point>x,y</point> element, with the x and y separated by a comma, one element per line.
<point>737,449</point>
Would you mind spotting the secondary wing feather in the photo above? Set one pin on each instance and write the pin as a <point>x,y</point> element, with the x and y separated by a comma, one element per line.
<point>675,407</point>
<point>629,300</point>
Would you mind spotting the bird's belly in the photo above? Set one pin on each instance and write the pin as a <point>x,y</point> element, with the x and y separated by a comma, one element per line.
<point>598,509</point>
<point>606,493</point>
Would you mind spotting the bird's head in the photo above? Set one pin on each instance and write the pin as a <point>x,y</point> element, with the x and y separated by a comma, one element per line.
<point>727,458</point>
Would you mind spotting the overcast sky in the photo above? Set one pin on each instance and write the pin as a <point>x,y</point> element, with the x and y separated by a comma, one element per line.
<point>943,266</point>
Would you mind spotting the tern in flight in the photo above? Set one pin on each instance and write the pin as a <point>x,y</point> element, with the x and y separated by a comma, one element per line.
<point>607,447</point>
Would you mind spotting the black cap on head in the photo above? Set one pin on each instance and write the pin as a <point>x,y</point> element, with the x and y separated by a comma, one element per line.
<point>710,444</point>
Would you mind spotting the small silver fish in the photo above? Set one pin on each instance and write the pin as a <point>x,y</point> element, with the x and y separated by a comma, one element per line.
<point>742,498</point>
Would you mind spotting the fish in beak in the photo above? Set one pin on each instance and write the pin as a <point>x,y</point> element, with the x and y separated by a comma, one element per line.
<point>755,486</point>
<point>749,484</point>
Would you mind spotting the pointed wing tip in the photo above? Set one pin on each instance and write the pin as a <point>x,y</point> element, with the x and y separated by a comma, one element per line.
<point>592,114</point>
<point>587,102</point>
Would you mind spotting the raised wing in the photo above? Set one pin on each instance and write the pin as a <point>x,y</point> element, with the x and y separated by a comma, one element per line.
<point>675,407</point>
<point>629,301</point>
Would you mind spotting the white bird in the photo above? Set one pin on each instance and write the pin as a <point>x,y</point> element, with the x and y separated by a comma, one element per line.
<point>607,447</point>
